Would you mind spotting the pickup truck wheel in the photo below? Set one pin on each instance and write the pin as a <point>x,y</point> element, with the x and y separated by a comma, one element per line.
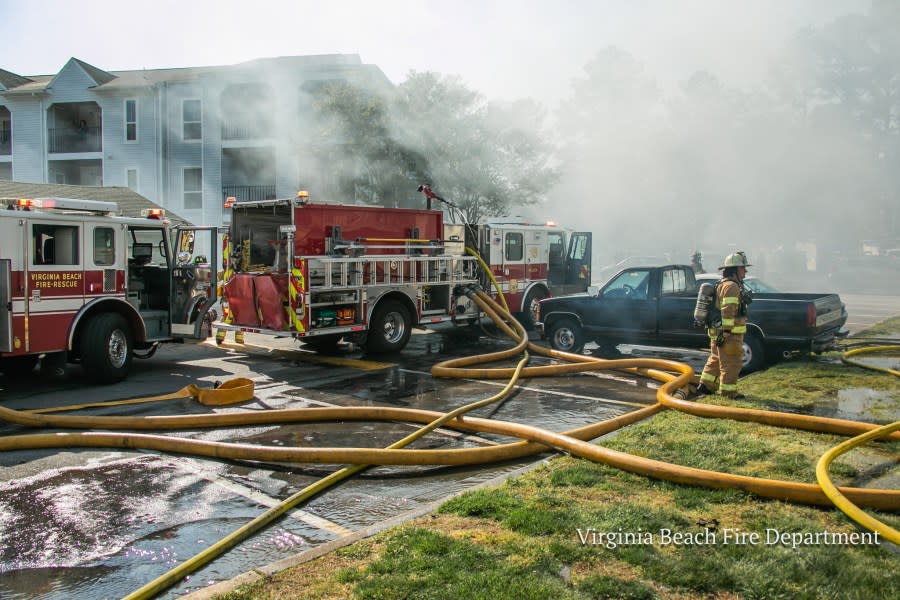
<point>566,335</point>
<point>107,348</point>
<point>390,328</point>
<point>754,354</point>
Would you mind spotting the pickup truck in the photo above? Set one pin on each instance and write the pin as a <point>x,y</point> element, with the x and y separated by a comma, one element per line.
<point>654,306</point>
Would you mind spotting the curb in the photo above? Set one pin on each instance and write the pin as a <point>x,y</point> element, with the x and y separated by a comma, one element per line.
<point>254,575</point>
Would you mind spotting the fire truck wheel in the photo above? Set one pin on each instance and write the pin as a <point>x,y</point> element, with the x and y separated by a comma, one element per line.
<point>390,328</point>
<point>18,367</point>
<point>566,335</point>
<point>530,306</point>
<point>106,348</point>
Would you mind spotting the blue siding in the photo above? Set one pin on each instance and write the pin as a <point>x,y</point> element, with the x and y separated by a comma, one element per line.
<point>160,154</point>
<point>28,156</point>
<point>120,155</point>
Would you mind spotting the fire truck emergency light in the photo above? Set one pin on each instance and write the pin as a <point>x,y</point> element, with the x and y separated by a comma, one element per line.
<point>153,213</point>
<point>229,201</point>
<point>63,204</point>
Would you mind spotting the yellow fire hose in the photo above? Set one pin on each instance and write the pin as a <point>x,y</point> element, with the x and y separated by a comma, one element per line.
<point>171,577</point>
<point>535,440</point>
<point>840,500</point>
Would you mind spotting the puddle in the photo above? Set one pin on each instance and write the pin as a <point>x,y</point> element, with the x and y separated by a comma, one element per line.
<point>106,531</point>
<point>884,362</point>
<point>859,404</point>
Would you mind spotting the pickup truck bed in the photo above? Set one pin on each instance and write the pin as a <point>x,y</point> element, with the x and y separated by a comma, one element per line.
<point>654,306</point>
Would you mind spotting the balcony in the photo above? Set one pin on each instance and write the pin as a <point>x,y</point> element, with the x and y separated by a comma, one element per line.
<point>5,143</point>
<point>243,193</point>
<point>238,127</point>
<point>73,139</point>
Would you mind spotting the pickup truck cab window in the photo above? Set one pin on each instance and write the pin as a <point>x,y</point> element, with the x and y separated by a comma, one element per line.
<point>631,285</point>
<point>676,281</point>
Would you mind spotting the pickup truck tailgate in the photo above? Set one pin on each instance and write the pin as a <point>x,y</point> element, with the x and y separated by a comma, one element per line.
<point>829,312</point>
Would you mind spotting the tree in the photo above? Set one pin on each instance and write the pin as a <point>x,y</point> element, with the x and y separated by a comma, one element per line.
<point>484,157</point>
<point>355,153</point>
<point>844,79</point>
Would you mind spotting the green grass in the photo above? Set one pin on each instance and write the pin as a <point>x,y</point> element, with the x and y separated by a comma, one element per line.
<point>530,537</point>
<point>888,327</point>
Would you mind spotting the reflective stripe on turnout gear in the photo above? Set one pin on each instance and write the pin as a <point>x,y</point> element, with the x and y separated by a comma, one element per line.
<point>739,329</point>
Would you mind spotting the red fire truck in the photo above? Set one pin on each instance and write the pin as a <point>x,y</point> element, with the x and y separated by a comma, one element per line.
<point>321,272</point>
<point>79,284</point>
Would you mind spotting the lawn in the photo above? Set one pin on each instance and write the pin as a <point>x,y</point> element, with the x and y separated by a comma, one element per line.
<point>576,529</point>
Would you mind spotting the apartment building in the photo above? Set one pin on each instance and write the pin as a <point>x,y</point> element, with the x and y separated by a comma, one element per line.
<point>183,138</point>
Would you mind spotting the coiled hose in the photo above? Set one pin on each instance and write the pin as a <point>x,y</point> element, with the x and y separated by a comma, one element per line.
<point>675,378</point>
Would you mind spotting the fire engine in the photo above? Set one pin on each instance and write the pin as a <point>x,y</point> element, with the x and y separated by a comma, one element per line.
<point>321,272</point>
<point>79,284</point>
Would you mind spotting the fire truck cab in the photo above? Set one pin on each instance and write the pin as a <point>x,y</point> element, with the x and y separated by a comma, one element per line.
<point>78,284</point>
<point>531,261</point>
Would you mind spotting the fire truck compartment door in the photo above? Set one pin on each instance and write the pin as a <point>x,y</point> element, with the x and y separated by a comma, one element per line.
<point>5,306</point>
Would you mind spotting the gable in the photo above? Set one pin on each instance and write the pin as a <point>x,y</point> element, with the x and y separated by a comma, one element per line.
<point>78,75</point>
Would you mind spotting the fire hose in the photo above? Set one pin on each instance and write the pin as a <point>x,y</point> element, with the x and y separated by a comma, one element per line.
<point>834,494</point>
<point>675,378</point>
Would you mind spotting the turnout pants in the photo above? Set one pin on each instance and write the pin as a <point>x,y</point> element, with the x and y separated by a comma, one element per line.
<point>724,365</point>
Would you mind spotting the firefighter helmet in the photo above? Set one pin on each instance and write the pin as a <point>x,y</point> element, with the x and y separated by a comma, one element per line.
<point>736,259</point>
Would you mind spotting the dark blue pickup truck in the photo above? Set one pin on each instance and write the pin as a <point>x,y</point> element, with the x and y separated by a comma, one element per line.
<point>654,306</point>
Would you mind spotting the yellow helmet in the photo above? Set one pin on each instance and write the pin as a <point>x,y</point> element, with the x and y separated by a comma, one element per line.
<point>737,259</point>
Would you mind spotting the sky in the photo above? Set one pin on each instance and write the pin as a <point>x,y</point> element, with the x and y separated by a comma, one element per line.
<point>505,49</point>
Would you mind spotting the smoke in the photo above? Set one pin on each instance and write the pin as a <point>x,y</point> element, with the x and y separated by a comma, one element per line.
<point>765,126</point>
<point>793,167</point>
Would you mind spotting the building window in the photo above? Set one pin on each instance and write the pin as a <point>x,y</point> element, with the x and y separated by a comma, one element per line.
<point>514,247</point>
<point>104,246</point>
<point>193,188</point>
<point>190,113</point>
<point>131,178</point>
<point>54,245</point>
<point>131,120</point>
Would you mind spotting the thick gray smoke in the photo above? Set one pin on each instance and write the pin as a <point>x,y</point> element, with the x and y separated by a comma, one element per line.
<point>799,169</point>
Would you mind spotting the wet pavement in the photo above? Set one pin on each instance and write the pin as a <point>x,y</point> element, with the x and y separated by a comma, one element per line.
<point>101,523</point>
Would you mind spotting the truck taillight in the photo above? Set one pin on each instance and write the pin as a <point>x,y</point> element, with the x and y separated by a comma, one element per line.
<point>811,315</point>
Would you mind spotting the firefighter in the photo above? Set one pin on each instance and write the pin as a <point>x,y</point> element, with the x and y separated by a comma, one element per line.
<point>696,263</point>
<point>227,272</point>
<point>727,337</point>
